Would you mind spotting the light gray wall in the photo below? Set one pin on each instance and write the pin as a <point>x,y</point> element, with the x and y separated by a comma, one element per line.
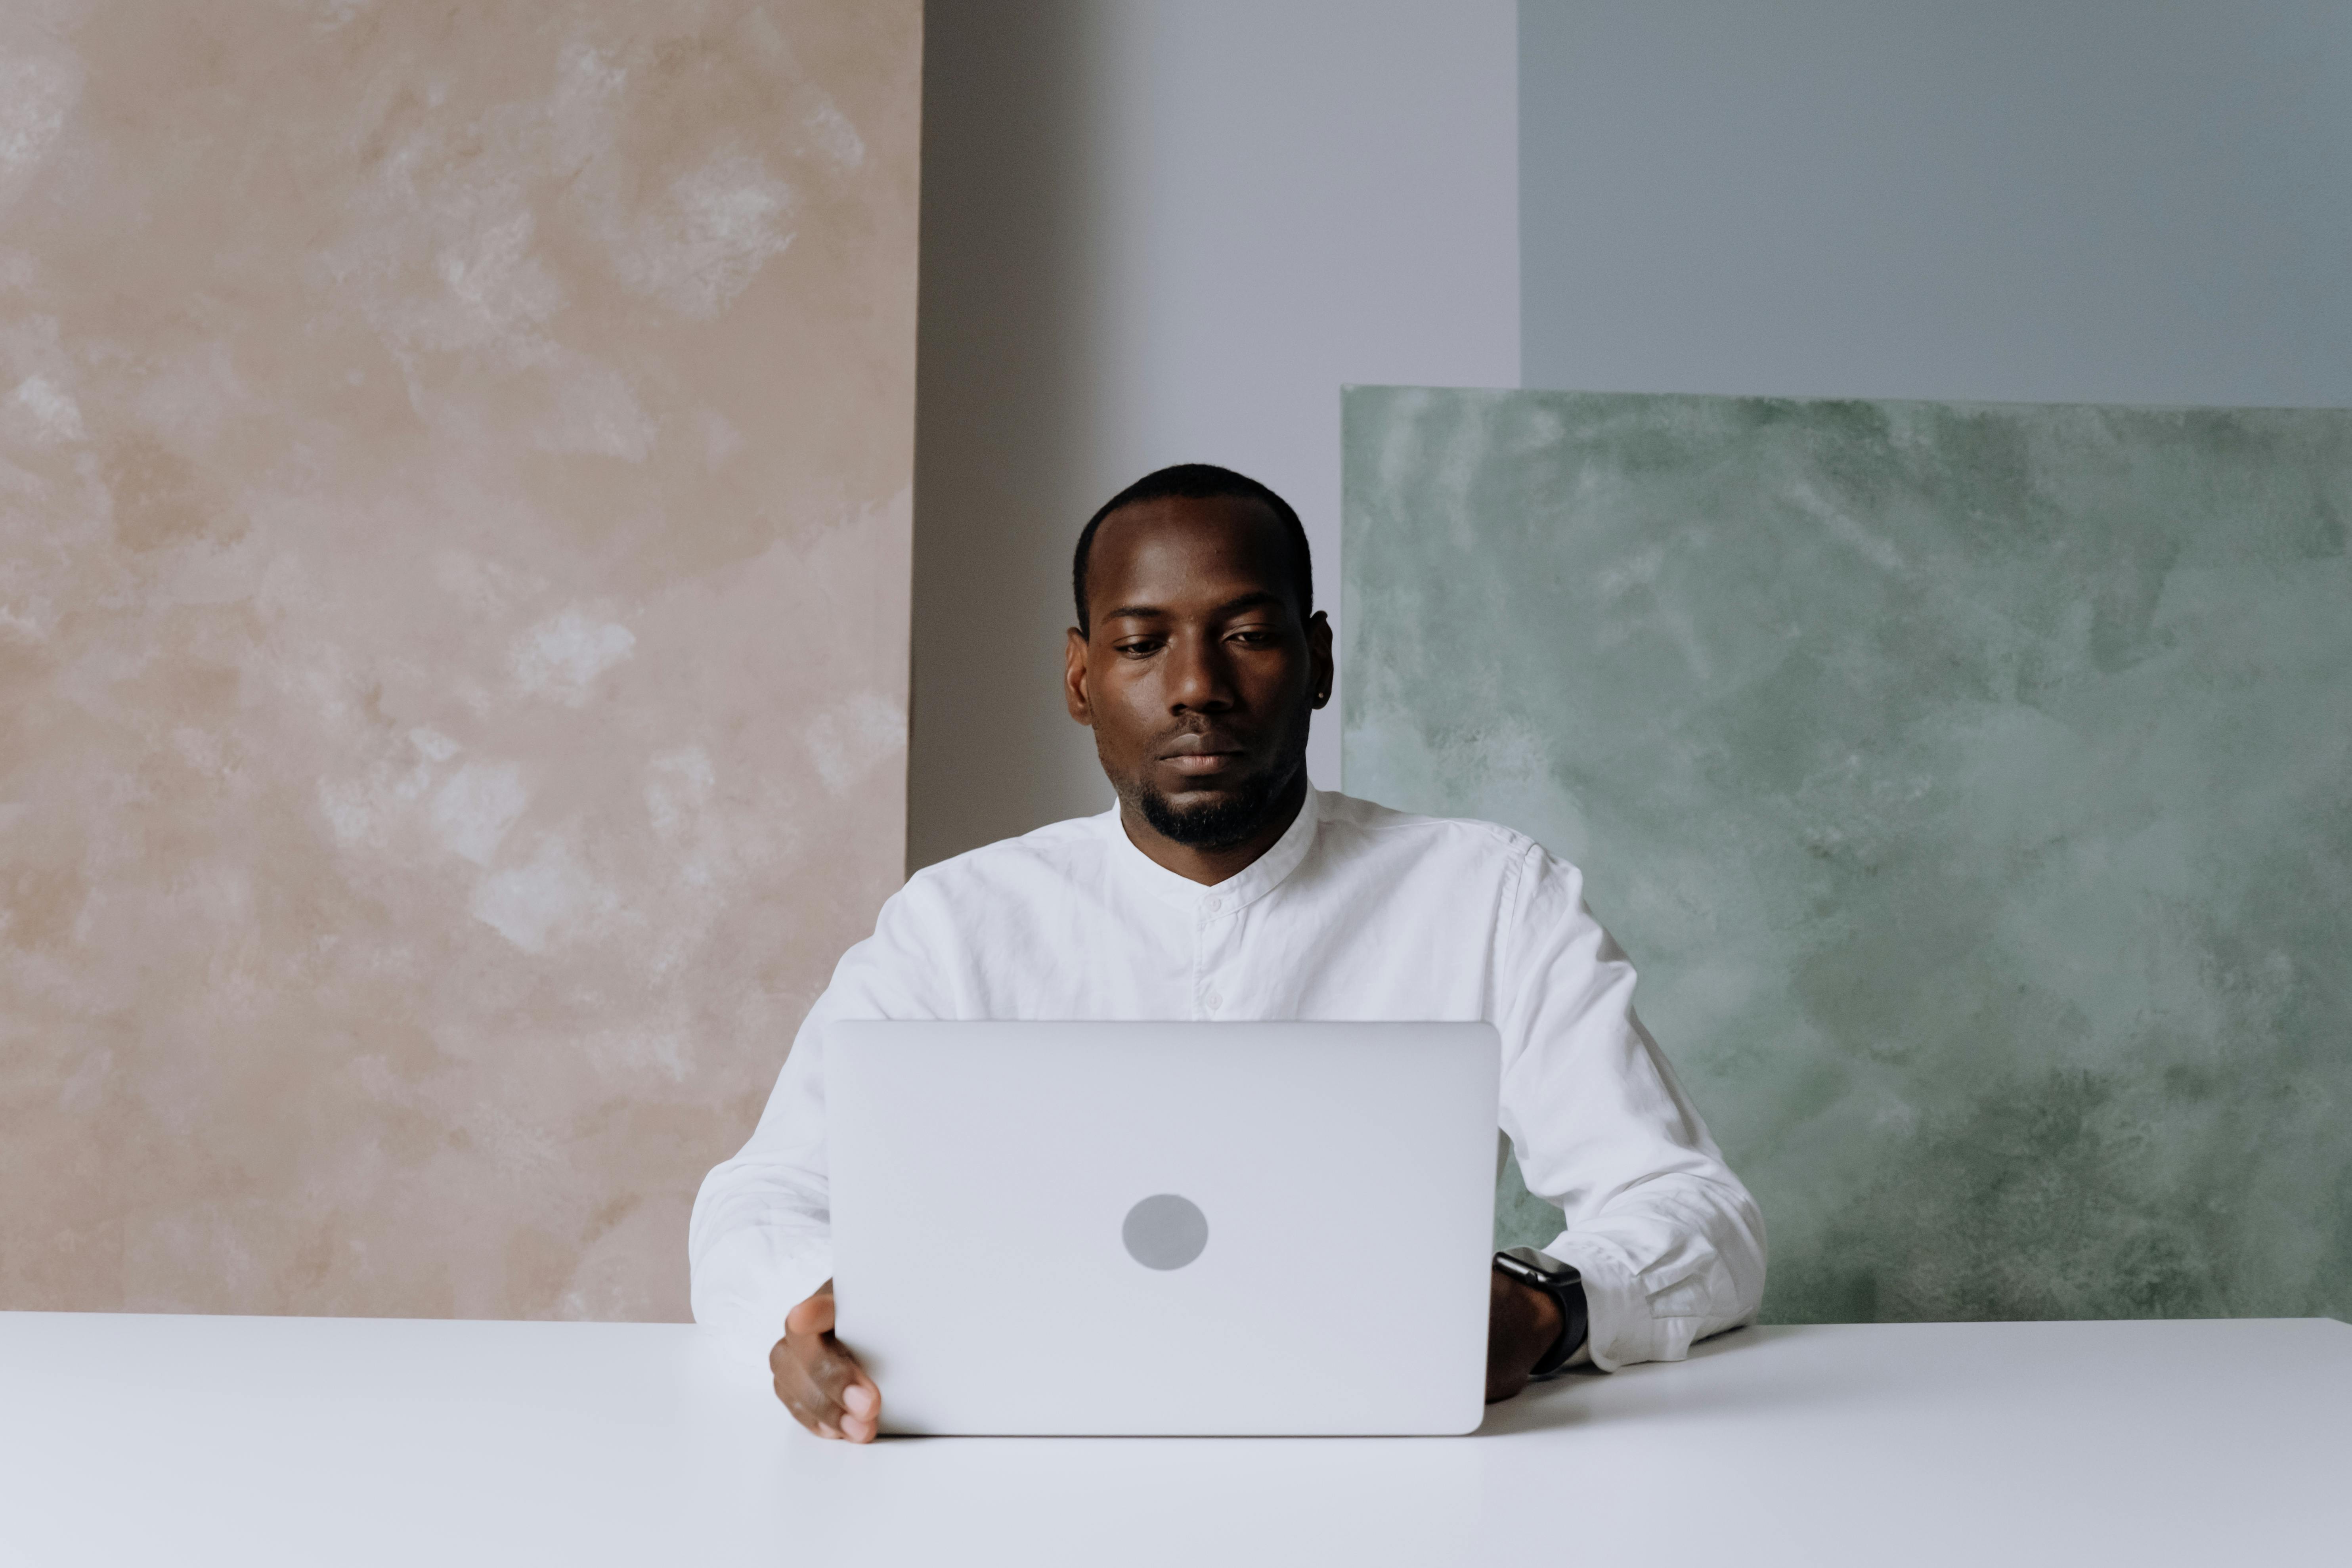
<point>1159,231</point>
<point>2102,200</point>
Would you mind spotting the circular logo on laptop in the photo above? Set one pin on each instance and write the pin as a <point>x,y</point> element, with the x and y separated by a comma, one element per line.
<point>1165,1231</point>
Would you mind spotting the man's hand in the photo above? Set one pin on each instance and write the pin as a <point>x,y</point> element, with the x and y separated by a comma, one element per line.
<point>828,1393</point>
<point>821,1383</point>
<point>1522,1322</point>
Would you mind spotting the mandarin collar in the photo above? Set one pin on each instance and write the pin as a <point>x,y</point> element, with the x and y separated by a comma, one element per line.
<point>1243,888</point>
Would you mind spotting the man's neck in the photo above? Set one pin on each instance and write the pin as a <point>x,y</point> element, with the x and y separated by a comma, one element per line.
<point>1210,866</point>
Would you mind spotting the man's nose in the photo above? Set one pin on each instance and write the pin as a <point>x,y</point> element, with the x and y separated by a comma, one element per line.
<point>1198,679</point>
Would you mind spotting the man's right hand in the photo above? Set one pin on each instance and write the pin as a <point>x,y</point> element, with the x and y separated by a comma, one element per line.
<point>819,1382</point>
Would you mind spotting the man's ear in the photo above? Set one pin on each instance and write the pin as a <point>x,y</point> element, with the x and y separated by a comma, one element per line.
<point>1074,677</point>
<point>1319,655</point>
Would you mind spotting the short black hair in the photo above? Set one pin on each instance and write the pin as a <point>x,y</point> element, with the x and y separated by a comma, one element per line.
<point>1200,482</point>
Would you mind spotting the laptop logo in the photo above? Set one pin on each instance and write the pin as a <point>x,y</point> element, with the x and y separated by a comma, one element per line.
<point>1165,1231</point>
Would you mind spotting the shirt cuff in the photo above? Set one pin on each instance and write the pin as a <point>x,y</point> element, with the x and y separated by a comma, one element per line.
<point>1619,1330</point>
<point>746,1282</point>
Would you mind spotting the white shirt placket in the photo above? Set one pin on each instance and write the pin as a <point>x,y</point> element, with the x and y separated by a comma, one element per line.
<point>1216,978</point>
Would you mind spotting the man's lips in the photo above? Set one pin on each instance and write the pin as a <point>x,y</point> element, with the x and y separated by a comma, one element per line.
<point>1201,755</point>
<point>1200,762</point>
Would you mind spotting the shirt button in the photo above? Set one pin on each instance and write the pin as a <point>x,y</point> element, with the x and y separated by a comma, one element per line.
<point>1213,1000</point>
<point>1215,904</point>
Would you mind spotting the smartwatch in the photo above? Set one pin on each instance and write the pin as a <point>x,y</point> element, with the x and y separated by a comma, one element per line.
<point>1564,1284</point>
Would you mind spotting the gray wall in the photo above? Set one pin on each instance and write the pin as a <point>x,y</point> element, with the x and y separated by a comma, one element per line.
<point>2136,201</point>
<point>1159,231</point>
<point>1967,781</point>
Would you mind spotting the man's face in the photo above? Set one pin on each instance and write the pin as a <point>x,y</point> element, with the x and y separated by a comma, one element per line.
<point>1197,674</point>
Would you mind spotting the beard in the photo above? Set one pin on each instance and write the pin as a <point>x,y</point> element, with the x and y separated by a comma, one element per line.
<point>1218,823</point>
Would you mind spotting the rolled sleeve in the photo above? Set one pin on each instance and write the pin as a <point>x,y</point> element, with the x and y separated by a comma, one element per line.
<point>759,1241</point>
<point>1669,1241</point>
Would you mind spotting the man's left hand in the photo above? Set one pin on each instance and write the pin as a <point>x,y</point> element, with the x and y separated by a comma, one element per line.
<point>1522,1322</point>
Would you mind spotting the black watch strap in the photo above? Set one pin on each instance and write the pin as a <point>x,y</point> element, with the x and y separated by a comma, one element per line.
<point>1565,1285</point>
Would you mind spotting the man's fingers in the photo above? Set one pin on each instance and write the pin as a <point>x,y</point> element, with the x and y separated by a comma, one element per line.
<point>811,1403</point>
<point>861,1404</point>
<point>818,1380</point>
<point>796,1388</point>
<point>852,1401</point>
<point>812,1316</point>
<point>846,1406</point>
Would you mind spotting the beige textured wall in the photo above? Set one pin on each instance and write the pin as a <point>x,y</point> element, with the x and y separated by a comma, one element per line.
<point>453,468</point>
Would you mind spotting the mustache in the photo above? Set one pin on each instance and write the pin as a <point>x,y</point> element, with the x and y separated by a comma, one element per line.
<point>1194,728</point>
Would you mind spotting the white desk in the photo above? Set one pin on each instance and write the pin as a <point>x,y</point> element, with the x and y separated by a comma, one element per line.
<point>154,1440</point>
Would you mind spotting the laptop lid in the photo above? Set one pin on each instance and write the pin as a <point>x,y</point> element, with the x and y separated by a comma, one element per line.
<point>1166,1227</point>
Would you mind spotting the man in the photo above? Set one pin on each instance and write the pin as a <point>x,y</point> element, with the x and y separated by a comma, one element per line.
<point>1224,887</point>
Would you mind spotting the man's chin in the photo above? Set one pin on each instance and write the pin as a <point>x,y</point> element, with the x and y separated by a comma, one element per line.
<point>1214,816</point>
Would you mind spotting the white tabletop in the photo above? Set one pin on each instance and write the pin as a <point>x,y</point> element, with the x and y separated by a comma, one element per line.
<point>307,1440</point>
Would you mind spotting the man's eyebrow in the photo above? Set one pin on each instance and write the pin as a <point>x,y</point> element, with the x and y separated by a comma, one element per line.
<point>1230,606</point>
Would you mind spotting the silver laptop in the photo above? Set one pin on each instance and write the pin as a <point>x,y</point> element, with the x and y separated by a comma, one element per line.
<point>1166,1227</point>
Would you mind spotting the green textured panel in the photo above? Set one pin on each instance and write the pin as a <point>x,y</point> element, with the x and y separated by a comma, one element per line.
<point>1973,783</point>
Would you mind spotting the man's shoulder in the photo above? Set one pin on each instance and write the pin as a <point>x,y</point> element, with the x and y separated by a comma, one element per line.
<point>1450,856</point>
<point>1057,850</point>
<point>1377,827</point>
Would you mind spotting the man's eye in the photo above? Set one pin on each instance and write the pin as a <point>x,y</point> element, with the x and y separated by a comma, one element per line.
<point>1138,648</point>
<point>1253,637</point>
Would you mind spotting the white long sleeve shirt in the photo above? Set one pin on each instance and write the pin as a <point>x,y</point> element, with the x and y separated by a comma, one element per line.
<point>1357,912</point>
